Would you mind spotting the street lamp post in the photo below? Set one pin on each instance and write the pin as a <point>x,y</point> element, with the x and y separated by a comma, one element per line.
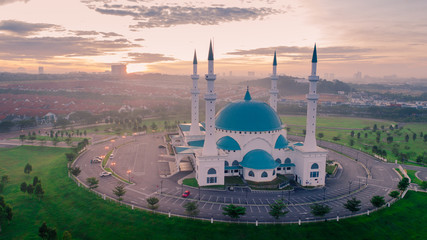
<point>199,193</point>
<point>161,184</point>
<point>128,172</point>
<point>349,186</point>
<point>182,188</point>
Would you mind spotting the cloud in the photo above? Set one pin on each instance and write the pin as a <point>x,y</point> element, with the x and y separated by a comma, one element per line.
<point>15,47</point>
<point>140,39</point>
<point>336,53</point>
<point>149,57</point>
<point>167,16</point>
<point>4,2</point>
<point>24,28</point>
<point>94,33</point>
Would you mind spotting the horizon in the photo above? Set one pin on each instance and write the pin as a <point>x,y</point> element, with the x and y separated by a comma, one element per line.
<point>376,39</point>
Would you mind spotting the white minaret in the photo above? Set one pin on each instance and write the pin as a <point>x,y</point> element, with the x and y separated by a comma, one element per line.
<point>273,91</point>
<point>195,129</point>
<point>312,97</point>
<point>209,148</point>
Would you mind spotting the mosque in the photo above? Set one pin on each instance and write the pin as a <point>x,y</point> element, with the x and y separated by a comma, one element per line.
<point>247,138</point>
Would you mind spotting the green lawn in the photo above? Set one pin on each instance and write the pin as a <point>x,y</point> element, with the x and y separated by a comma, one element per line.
<point>333,127</point>
<point>68,207</point>
<point>414,179</point>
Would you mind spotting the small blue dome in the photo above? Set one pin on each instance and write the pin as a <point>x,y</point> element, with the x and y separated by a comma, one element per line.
<point>248,115</point>
<point>227,143</point>
<point>281,142</point>
<point>258,159</point>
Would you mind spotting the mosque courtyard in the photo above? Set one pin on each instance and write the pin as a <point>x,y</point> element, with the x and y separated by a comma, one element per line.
<point>141,160</point>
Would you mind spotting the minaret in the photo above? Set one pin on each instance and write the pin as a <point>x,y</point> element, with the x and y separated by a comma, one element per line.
<point>195,129</point>
<point>209,148</point>
<point>312,97</point>
<point>273,91</point>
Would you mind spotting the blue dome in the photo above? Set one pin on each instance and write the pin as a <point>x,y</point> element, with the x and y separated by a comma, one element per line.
<point>248,115</point>
<point>227,143</point>
<point>281,142</point>
<point>258,159</point>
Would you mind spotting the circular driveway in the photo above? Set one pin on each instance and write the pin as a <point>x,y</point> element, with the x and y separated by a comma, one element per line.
<point>140,159</point>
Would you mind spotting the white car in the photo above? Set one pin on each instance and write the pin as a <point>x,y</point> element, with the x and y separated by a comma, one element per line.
<point>105,174</point>
<point>95,160</point>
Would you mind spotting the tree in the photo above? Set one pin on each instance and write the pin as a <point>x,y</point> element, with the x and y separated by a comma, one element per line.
<point>353,205</point>
<point>22,138</point>
<point>425,138</point>
<point>46,232</point>
<point>6,212</point>
<point>23,187</point>
<point>234,211</point>
<point>423,185</point>
<point>278,209</point>
<point>93,182</point>
<point>30,189</point>
<point>394,194</point>
<point>152,202</point>
<point>351,142</point>
<point>366,135</point>
<point>39,191</point>
<point>375,128</point>
<point>320,135</point>
<point>414,136</point>
<point>75,171</point>
<point>319,210</point>
<point>36,181</point>
<point>119,191</point>
<point>358,135</point>
<point>191,208</point>
<point>70,156</point>
<point>403,184</point>
<point>389,139</point>
<point>352,133</point>
<point>377,201</point>
<point>4,179</point>
<point>28,168</point>
<point>66,236</point>
<point>304,132</point>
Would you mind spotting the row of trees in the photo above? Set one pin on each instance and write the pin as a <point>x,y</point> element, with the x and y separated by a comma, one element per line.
<point>35,188</point>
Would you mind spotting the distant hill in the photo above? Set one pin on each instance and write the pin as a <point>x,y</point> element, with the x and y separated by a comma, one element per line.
<point>288,85</point>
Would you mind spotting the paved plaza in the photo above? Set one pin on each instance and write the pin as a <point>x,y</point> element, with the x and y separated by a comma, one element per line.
<point>141,160</point>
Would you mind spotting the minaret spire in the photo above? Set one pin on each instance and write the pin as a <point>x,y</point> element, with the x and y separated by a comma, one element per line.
<point>312,97</point>
<point>273,91</point>
<point>195,129</point>
<point>209,147</point>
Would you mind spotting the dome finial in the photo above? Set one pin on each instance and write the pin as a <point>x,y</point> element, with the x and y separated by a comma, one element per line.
<point>247,95</point>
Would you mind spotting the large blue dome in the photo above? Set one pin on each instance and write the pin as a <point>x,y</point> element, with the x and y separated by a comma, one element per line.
<point>248,115</point>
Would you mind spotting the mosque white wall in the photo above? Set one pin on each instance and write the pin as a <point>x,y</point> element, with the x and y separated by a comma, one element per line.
<point>204,174</point>
<point>257,175</point>
<point>306,176</point>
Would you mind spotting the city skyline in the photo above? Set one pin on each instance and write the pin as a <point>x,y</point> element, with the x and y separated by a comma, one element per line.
<point>375,38</point>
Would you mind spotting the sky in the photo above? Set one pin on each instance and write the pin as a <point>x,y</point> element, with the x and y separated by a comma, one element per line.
<point>378,38</point>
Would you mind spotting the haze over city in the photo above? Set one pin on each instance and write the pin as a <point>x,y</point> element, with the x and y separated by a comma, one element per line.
<point>375,38</point>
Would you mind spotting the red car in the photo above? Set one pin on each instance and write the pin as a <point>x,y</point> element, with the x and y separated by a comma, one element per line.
<point>186,194</point>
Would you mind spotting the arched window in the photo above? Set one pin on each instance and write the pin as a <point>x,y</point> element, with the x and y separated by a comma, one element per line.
<point>211,171</point>
<point>287,160</point>
<point>314,166</point>
<point>279,161</point>
<point>264,175</point>
<point>235,163</point>
<point>226,163</point>
<point>251,174</point>
<point>274,172</point>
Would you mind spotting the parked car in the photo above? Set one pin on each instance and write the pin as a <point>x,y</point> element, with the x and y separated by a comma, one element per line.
<point>95,160</point>
<point>105,174</point>
<point>186,194</point>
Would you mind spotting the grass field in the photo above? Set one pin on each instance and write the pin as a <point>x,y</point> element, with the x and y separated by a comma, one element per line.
<point>339,128</point>
<point>414,179</point>
<point>68,207</point>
